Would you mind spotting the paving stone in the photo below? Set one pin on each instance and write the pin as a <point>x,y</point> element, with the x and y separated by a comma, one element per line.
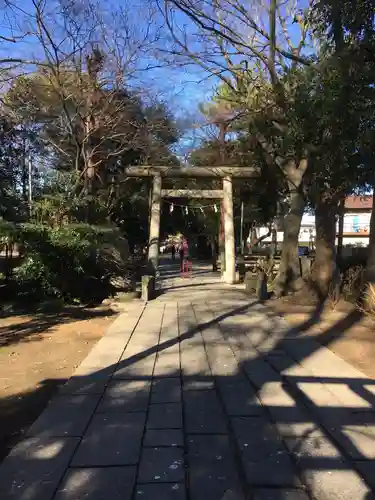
<point>198,382</point>
<point>324,470</point>
<point>125,324</point>
<point>85,370</point>
<point>257,438</point>
<point>65,416</point>
<point>299,348</point>
<point>366,469</point>
<point>90,384</point>
<point>194,361</point>
<point>169,347</point>
<point>212,469</point>
<point>357,441</point>
<point>292,422</point>
<point>275,471</point>
<point>260,372</point>
<point>312,448</point>
<point>264,457</point>
<point>203,413</point>
<point>318,396</point>
<point>137,365</point>
<point>279,494</point>
<point>166,390</point>
<point>274,395</point>
<point>337,482</point>
<point>165,416</point>
<point>34,468</point>
<point>114,483</point>
<point>125,395</point>
<point>160,465</point>
<point>222,361</point>
<point>370,387</point>
<point>195,370</point>
<point>111,439</point>
<point>167,365</point>
<point>165,491</point>
<point>240,399</point>
<point>280,362</point>
<point>141,344</point>
<point>243,351</point>
<point>102,356</point>
<point>163,437</point>
<point>359,417</point>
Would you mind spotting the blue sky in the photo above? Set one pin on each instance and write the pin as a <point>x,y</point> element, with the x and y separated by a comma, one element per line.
<point>182,88</point>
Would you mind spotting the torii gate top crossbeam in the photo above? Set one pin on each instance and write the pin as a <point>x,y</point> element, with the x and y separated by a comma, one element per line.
<point>181,171</point>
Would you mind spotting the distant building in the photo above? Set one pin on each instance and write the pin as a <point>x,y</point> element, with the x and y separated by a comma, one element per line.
<point>356,231</point>
<point>357,215</point>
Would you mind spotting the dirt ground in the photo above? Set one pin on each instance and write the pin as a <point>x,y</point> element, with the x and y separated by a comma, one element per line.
<point>38,353</point>
<point>343,330</point>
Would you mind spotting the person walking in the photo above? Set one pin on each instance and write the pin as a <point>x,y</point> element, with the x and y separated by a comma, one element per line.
<point>184,253</point>
<point>173,252</point>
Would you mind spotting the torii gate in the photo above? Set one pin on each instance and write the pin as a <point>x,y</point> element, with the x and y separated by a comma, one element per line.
<point>225,194</point>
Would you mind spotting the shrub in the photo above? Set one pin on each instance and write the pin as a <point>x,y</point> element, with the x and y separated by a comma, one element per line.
<point>352,282</point>
<point>72,262</point>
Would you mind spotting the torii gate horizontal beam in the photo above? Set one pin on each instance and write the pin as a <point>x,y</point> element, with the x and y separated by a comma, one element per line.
<point>181,171</point>
<point>192,193</point>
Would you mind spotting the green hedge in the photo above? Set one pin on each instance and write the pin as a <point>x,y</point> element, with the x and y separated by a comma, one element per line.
<point>74,262</point>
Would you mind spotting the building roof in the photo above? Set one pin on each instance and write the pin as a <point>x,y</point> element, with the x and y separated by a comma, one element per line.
<point>359,202</point>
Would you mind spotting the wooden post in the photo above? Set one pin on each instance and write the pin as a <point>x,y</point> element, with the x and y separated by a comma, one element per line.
<point>230,253</point>
<point>153,239</point>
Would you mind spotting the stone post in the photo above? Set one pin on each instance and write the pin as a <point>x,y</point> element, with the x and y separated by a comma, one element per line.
<point>230,253</point>
<point>222,240</point>
<point>153,239</point>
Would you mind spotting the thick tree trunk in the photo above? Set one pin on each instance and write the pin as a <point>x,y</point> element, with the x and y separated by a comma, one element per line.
<point>289,275</point>
<point>325,256</point>
<point>370,268</point>
<point>340,236</point>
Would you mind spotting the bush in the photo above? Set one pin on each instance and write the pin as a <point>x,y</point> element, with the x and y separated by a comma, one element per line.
<point>73,262</point>
<point>352,283</point>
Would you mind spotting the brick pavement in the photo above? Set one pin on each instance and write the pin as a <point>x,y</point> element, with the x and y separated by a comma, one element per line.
<point>201,394</point>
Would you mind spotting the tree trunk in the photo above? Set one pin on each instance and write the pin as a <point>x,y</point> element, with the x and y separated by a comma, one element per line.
<point>274,241</point>
<point>24,173</point>
<point>288,278</point>
<point>340,236</point>
<point>325,256</point>
<point>370,267</point>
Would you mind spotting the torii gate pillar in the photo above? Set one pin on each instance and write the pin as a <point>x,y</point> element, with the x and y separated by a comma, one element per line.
<point>154,232</point>
<point>230,251</point>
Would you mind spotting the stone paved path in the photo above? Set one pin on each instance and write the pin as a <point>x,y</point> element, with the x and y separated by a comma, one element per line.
<point>201,395</point>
